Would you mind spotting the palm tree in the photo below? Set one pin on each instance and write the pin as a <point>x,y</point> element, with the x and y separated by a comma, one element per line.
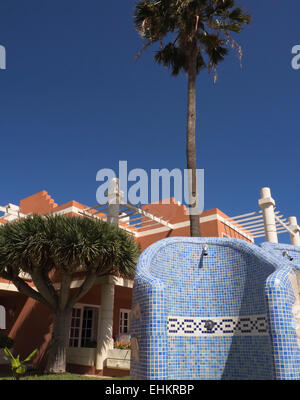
<point>53,248</point>
<point>192,34</point>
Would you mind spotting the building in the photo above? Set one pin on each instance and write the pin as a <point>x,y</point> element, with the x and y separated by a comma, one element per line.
<point>103,313</point>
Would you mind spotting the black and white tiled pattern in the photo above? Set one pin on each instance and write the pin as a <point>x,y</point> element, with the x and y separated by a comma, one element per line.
<point>254,325</point>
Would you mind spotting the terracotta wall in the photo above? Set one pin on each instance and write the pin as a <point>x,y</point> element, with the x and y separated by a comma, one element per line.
<point>38,203</point>
<point>93,297</point>
<point>13,303</point>
<point>214,228</point>
<point>29,323</point>
<point>123,299</point>
<point>146,241</point>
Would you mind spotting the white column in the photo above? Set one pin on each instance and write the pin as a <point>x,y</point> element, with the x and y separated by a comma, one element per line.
<point>115,197</point>
<point>293,225</point>
<point>105,332</point>
<point>267,205</point>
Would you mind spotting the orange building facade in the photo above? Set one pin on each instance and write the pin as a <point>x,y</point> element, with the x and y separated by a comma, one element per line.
<point>29,323</point>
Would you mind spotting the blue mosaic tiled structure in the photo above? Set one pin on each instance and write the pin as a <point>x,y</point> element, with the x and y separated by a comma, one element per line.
<point>284,252</point>
<point>225,315</point>
<point>282,288</point>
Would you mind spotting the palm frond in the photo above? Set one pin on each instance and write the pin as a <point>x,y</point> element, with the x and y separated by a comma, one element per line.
<point>206,24</point>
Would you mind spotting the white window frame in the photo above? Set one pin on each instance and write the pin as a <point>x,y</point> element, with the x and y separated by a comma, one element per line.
<point>121,323</point>
<point>82,306</point>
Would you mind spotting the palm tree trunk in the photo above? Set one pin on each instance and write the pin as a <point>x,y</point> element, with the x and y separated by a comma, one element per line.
<point>191,142</point>
<point>59,342</point>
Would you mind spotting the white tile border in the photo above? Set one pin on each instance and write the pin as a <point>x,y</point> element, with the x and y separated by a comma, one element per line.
<point>250,325</point>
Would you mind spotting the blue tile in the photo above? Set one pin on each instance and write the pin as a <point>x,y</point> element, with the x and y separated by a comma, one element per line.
<point>242,289</point>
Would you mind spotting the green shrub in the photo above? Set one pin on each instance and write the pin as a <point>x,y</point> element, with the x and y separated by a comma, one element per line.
<point>18,367</point>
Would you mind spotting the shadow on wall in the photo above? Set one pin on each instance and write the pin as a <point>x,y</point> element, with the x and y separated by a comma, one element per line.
<point>32,330</point>
<point>246,347</point>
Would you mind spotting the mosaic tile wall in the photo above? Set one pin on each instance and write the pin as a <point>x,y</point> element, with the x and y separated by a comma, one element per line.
<point>199,316</point>
<point>282,289</point>
<point>284,252</point>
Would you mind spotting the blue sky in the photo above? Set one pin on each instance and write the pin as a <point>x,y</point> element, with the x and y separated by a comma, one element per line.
<point>73,101</point>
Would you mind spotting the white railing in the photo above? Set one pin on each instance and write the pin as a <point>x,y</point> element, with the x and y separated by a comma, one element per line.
<point>267,222</point>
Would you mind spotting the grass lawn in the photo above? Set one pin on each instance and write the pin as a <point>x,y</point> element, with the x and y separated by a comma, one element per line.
<point>62,377</point>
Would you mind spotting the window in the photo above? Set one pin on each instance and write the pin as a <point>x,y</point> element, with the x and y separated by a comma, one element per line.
<point>75,327</point>
<point>83,330</point>
<point>124,321</point>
